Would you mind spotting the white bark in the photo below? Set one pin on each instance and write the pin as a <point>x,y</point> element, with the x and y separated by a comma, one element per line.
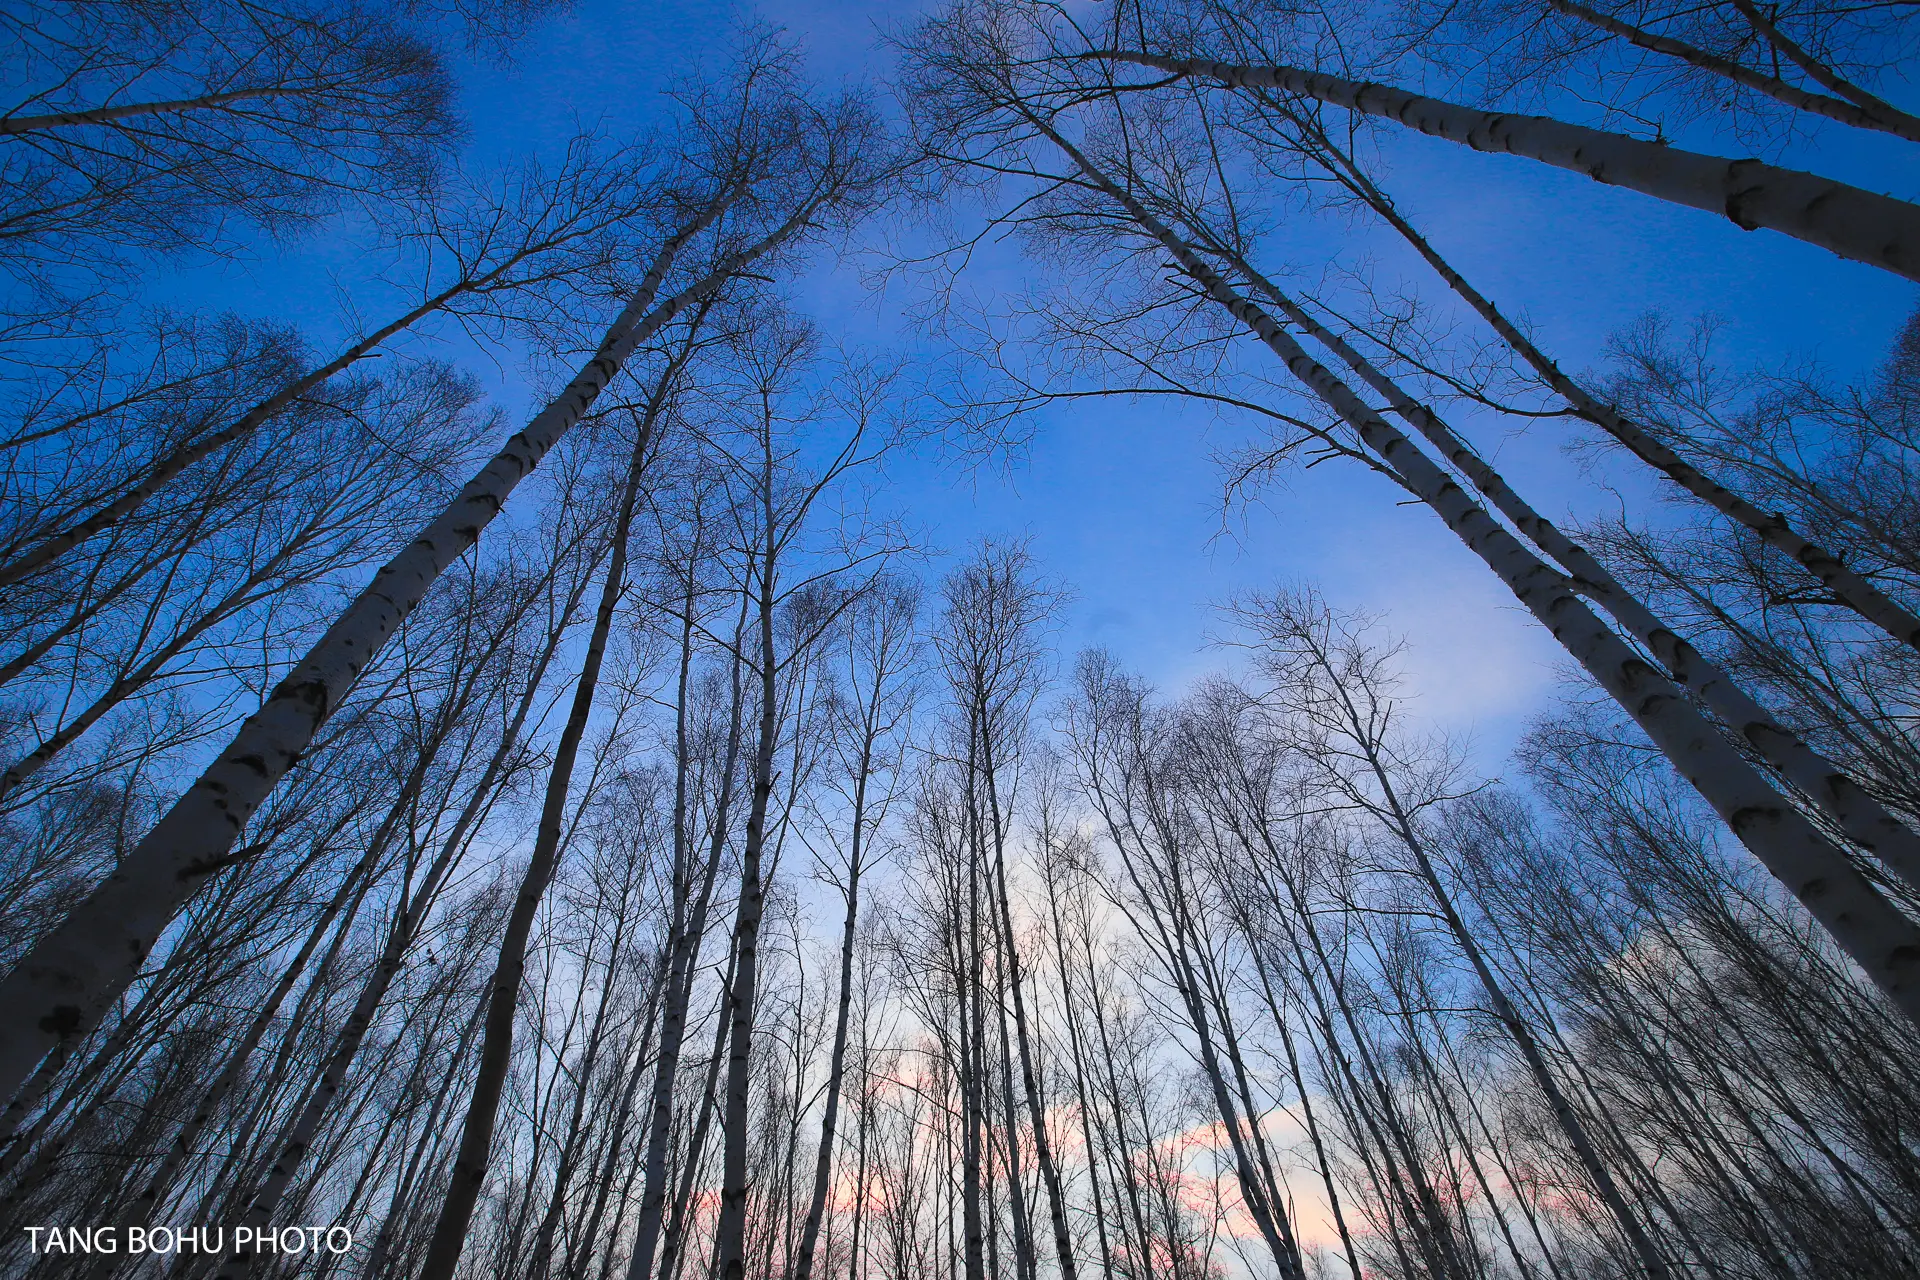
<point>1816,70</point>
<point>1863,818</point>
<point>107,115</point>
<point>1771,528</point>
<point>353,886</point>
<point>59,988</point>
<point>471,1160</point>
<point>1882,941</point>
<point>1853,223</point>
<point>401,934</point>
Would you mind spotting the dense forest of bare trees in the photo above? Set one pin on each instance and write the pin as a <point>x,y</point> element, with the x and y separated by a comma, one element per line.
<point>620,844</point>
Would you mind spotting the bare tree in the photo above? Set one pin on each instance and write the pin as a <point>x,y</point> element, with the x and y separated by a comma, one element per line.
<point>69,983</point>
<point>503,998</point>
<point>534,233</point>
<point>793,607</point>
<point>988,102</point>
<point>1853,223</point>
<point>870,742</point>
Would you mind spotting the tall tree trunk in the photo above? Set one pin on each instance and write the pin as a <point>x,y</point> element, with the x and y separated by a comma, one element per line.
<point>1029,1078</point>
<point>1026,1265</point>
<point>62,986</point>
<point>570,1151</point>
<point>1772,528</point>
<point>425,1149</point>
<point>353,888</point>
<point>1312,1125</point>
<point>836,1067</point>
<point>730,1232</point>
<point>143,1026</point>
<point>105,115</point>
<point>1880,939</point>
<point>685,943</point>
<point>971,980</point>
<point>585,1239</point>
<point>410,915</point>
<point>1862,817</point>
<point>1861,225</point>
<point>503,997</point>
<point>673,1250</point>
<point>1174,936</point>
<point>1819,72</point>
<point>1883,117</point>
<point>1075,1047</point>
<point>1141,1257</point>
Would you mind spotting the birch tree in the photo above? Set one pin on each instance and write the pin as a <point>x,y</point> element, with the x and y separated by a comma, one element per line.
<point>878,664</point>
<point>1852,222</point>
<point>969,69</point>
<point>755,202</point>
<point>1733,62</point>
<point>503,998</point>
<point>1858,591</point>
<point>794,602</point>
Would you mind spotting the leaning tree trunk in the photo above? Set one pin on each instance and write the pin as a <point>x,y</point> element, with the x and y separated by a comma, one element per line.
<point>401,934</point>
<point>14,125</point>
<point>470,1162</point>
<point>140,1028</point>
<point>1269,1217</point>
<point>1817,71</point>
<point>1880,939</point>
<point>1863,818</point>
<point>1312,1125</point>
<point>60,988</point>
<point>354,887</point>
<point>1853,223</point>
<point>1174,935</point>
<point>1772,528</point>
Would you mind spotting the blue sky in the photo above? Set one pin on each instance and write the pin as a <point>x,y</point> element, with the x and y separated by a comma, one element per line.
<point>1120,501</point>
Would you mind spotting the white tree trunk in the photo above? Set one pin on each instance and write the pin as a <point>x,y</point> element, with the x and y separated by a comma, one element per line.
<point>1882,941</point>
<point>11,125</point>
<point>1853,223</point>
<point>60,988</point>
<point>1770,527</point>
<point>1863,818</point>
